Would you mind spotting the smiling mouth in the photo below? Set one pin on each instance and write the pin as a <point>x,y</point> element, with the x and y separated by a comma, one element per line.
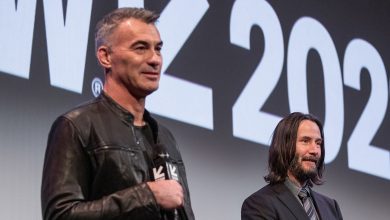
<point>310,163</point>
<point>151,75</point>
<point>310,159</point>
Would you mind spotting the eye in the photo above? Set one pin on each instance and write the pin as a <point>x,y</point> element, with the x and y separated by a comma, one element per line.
<point>158,48</point>
<point>305,140</point>
<point>141,47</point>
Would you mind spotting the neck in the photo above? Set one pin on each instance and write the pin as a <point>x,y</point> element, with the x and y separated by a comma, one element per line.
<point>294,180</point>
<point>136,106</point>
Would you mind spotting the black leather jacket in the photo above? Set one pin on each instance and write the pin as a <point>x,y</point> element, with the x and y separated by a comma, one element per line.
<point>96,167</point>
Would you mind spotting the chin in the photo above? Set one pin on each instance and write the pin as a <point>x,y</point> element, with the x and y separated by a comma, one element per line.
<point>308,167</point>
<point>310,171</point>
<point>152,86</point>
<point>149,91</point>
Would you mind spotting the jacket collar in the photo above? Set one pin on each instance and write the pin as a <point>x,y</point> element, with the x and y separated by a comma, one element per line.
<point>288,199</point>
<point>319,202</point>
<point>126,116</point>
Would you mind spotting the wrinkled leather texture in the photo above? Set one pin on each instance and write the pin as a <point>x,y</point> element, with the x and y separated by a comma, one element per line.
<point>96,167</point>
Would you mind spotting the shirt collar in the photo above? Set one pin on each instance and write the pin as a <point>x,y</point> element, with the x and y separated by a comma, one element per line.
<point>126,116</point>
<point>292,187</point>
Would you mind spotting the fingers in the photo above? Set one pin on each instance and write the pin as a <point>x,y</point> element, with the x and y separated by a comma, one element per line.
<point>168,193</point>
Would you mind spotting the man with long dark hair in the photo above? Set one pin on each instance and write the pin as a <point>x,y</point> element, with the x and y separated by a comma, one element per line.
<point>295,163</point>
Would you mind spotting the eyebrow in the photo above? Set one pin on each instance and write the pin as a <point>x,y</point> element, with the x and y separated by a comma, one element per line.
<point>308,137</point>
<point>160,43</point>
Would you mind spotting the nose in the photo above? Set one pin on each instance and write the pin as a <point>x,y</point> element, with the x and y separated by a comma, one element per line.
<point>315,149</point>
<point>155,59</point>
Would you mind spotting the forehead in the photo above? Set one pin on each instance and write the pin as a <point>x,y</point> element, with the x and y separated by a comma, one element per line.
<point>309,128</point>
<point>135,29</point>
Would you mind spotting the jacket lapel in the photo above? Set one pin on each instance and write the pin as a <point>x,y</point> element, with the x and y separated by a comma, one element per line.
<point>318,203</point>
<point>287,199</point>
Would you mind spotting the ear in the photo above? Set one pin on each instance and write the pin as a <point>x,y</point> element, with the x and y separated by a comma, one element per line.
<point>103,56</point>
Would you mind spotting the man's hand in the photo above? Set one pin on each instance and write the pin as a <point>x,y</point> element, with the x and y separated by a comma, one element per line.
<point>168,193</point>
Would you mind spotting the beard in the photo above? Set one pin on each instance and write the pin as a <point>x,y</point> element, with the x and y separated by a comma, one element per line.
<point>299,172</point>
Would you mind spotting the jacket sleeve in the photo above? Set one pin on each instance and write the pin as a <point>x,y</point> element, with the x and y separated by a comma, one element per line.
<point>66,181</point>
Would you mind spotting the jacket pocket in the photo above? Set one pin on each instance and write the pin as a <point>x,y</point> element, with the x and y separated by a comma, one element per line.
<point>118,167</point>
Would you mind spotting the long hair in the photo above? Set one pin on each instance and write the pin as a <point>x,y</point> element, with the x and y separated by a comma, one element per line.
<point>283,148</point>
<point>110,22</point>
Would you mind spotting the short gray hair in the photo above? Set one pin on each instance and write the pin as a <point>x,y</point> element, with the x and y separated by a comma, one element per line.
<point>110,22</point>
